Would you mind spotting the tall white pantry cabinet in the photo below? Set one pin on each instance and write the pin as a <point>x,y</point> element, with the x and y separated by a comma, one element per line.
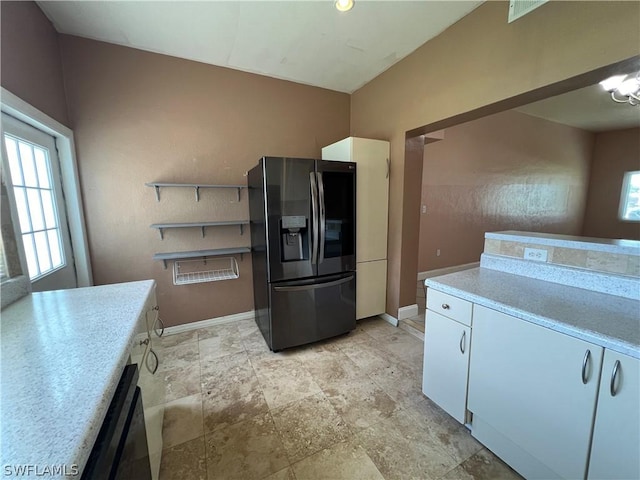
<point>372,211</point>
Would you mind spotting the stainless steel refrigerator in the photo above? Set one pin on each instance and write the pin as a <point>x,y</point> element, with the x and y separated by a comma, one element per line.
<point>303,242</point>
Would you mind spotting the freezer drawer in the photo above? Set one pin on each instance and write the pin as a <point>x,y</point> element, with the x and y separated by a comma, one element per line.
<point>306,311</point>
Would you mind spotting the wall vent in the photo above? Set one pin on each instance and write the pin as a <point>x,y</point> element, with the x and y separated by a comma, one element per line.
<point>519,8</point>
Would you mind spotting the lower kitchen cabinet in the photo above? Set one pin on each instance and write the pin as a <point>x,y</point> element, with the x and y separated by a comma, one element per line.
<point>615,452</point>
<point>532,393</point>
<point>446,363</point>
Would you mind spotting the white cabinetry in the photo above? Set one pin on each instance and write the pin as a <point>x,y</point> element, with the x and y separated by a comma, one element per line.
<point>532,392</point>
<point>147,353</point>
<point>372,206</point>
<point>615,452</point>
<point>446,354</point>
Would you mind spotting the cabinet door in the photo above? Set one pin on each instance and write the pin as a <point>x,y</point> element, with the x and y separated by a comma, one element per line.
<point>372,180</point>
<point>371,288</point>
<point>526,383</point>
<point>615,452</point>
<point>446,363</point>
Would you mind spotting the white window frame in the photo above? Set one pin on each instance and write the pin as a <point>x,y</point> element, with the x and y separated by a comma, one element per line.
<point>624,195</point>
<point>18,108</point>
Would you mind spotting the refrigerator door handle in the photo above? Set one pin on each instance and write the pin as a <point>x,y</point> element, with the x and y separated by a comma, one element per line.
<point>323,225</point>
<point>314,214</point>
<point>314,286</point>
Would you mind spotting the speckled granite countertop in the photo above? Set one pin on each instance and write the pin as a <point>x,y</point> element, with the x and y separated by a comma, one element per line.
<point>62,354</point>
<point>610,321</point>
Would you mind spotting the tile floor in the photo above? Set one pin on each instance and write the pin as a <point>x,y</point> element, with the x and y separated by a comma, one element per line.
<point>347,408</point>
<point>415,324</point>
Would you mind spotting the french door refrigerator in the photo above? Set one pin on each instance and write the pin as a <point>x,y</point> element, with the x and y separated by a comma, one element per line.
<point>303,233</point>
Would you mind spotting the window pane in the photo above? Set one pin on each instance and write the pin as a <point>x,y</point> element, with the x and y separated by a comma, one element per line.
<point>30,252</point>
<point>49,209</point>
<point>35,209</point>
<point>23,209</point>
<point>54,245</point>
<point>42,166</point>
<point>42,247</point>
<point>14,161</point>
<point>28,167</point>
<point>630,198</point>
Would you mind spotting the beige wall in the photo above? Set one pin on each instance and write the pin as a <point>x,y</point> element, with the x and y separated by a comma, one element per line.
<point>508,171</point>
<point>614,154</point>
<point>141,117</point>
<point>30,58</point>
<point>479,61</point>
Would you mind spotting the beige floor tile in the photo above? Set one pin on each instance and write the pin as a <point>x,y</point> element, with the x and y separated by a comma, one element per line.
<point>333,368</point>
<point>220,344</point>
<point>402,449</point>
<point>366,355</point>
<point>308,426</point>
<point>226,330</point>
<point>346,460</point>
<point>405,346</point>
<point>283,380</point>
<point>483,465</point>
<point>231,392</point>
<point>377,327</point>
<point>185,461</point>
<point>182,381</point>
<point>443,428</point>
<point>247,450</point>
<point>360,402</point>
<point>178,338</point>
<point>182,421</point>
<point>356,335</point>
<point>179,356</point>
<point>401,382</point>
<point>284,474</point>
<point>255,344</point>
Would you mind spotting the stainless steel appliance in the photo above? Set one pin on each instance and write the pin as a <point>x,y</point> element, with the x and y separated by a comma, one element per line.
<point>303,249</point>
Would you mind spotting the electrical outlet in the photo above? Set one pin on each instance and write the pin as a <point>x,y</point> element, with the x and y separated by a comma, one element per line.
<point>535,254</point>
<point>424,209</point>
<point>438,252</point>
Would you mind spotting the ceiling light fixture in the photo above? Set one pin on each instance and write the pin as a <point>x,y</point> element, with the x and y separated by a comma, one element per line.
<point>623,88</point>
<point>344,5</point>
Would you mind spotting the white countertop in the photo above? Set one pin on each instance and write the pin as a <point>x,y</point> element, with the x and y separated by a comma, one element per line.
<point>610,321</point>
<point>62,354</point>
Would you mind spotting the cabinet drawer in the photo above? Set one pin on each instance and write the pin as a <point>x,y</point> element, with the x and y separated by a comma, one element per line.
<point>449,306</point>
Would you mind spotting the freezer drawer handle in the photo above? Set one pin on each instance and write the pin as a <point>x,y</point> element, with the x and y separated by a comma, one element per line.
<point>313,286</point>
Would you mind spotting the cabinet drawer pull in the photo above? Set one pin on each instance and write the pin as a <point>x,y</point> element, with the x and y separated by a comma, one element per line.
<point>159,320</point>
<point>446,306</point>
<point>614,375</point>
<point>157,362</point>
<point>464,334</point>
<point>585,363</point>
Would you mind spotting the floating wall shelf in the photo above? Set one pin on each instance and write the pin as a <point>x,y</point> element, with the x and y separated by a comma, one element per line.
<point>202,225</point>
<point>196,186</point>
<point>200,254</point>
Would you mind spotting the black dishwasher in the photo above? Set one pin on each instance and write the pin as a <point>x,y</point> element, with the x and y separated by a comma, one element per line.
<point>120,451</point>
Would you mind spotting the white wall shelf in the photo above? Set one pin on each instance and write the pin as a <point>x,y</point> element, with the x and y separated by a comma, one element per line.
<point>200,254</point>
<point>202,225</point>
<point>195,186</point>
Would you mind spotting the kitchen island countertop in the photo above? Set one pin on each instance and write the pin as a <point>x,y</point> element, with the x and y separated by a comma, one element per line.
<point>62,354</point>
<point>607,320</point>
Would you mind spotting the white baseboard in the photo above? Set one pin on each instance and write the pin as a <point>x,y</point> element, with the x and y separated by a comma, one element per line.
<point>236,317</point>
<point>444,271</point>
<point>408,311</point>
<point>388,318</point>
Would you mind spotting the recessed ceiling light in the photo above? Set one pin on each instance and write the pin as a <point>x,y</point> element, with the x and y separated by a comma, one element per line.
<point>344,5</point>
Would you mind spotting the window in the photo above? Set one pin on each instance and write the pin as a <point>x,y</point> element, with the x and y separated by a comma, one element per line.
<point>30,170</point>
<point>630,197</point>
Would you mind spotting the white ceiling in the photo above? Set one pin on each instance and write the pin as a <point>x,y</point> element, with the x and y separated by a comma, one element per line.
<point>304,41</point>
<point>589,108</point>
